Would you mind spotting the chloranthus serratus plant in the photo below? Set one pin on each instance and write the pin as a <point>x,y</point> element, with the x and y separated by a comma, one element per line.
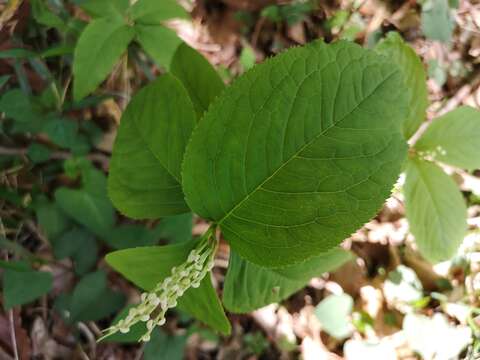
<point>284,164</point>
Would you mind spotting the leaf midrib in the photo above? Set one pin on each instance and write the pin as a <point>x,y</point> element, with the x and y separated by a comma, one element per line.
<point>227,215</point>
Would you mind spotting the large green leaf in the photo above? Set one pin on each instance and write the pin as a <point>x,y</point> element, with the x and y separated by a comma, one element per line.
<point>415,78</point>
<point>159,42</point>
<point>453,138</point>
<point>153,12</point>
<point>98,49</point>
<point>147,266</point>
<point>144,180</point>
<point>300,152</point>
<point>249,287</point>
<point>435,210</point>
<point>197,75</point>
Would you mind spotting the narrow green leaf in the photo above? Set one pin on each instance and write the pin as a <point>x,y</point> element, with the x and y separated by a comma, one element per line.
<point>147,266</point>
<point>144,180</point>
<point>98,49</point>
<point>333,313</point>
<point>299,152</point>
<point>435,210</point>
<point>17,54</point>
<point>414,76</point>
<point>22,287</point>
<point>159,42</point>
<point>453,138</point>
<point>197,75</point>
<point>249,287</point>
<point>57,50</point>
<point>45,16</point>
<point>153,12</point>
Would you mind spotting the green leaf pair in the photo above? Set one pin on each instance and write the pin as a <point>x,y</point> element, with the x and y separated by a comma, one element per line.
<point>286,167</point>
<point>435,208</point>
<point>114,26</point>
<point>288,161</point>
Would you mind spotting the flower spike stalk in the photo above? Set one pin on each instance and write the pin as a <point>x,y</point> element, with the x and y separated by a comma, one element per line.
<point>155,303</point>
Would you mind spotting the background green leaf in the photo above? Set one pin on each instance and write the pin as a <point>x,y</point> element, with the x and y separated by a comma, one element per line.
<point>80,246</point>
<point>91,300</point>
<point>46,16</point>
<point>414,76</point>
<point>163,346</point>
<point>176,228</point>
<point>197,75</point>
<point>147,266</point>
<point>289,167</point>
<point>88,205</point>
<point>249,287</point>
<point>144,179</point>
<point>153,12</point>
<point>159,42</point>
<point>23,286</point>
<point>453,138</point>
<point>131,235</point>
<point>105,8</point>
<point>435,210</point>
<point>438,21</point>
<point>98,49</point>
<point>333,313</point>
